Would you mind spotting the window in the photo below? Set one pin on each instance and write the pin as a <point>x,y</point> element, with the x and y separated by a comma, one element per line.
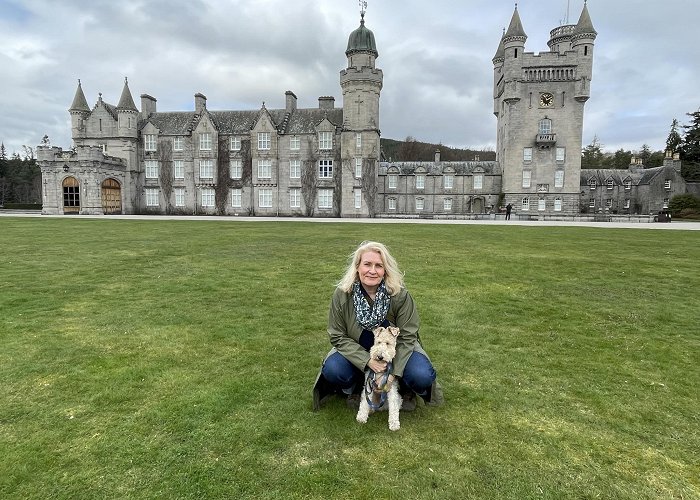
<point>265,198</point>
<point>71,194</point>
<point>420,181</point>
<point>561,154</point>
<point>207,197</point>
<point>149,142</point>
<point>179,197</point>
<point>627,203</point>
<point>592,184</point>
<point>628,184</point>
<point>236,195</point>
<point>393,181</point>
<point>235,144</point>
<point>479,181</point>
<point>527,176</point>
<point>206,170</point>
<point>325,140</point>
<point>264,141</point>
<point>448,181</point>
<point>527,154</point>
<point>325,169</point>
<point>610,183</point>
<point>546,126</point>
<point>666,200</point>
<point>608,203</point>
<point>264,169</point>
<point>541,204</point>
<point>525,205</point>
<point>151,169</point>
<point>591,203</point>
<point>325,198</point>
<point>559,178</point>
<point>178,143</point>
<point>667,184</point>
<point>447,204</point>
<point>358,198</point>
<point>205,141</point>
<point>294,169</point>
<point>557,204</point>
<point>179,169</point>
<point>235,169</point>
<point>392,203</point>
<point>295,198</point>
<point>151,197</point>
<point>358,168</point>
<point>295,143</point>
<point>358,140</point>
<point>420,203</point>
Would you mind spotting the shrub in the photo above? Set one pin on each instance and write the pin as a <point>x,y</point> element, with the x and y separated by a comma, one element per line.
<point>683,201</point>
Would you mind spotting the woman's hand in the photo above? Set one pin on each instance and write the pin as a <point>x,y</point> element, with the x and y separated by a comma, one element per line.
<point>376,366</point>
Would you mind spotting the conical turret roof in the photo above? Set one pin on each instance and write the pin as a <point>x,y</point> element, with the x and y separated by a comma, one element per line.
<point>79,101</point>
<point>515,29</point>
<point>126,102</point>
<point>362,40</point>
<point>585,25</point>
<point>500,52</point>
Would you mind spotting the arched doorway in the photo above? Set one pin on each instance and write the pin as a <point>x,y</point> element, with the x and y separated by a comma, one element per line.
<point>71,195</point>
<point>111,197</point>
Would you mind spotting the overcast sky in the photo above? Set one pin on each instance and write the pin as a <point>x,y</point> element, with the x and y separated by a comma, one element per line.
<point>436,57</point>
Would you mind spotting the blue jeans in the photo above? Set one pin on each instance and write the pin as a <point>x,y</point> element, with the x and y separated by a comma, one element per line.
<point>418,376</point>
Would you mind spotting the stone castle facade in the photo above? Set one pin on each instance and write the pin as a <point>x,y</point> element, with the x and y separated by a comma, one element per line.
<point>326,161</point>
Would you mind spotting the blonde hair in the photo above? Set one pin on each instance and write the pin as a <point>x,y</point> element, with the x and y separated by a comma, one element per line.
<point>393,278</point>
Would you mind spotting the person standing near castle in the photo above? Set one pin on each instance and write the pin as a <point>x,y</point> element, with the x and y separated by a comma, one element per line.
<point>509,208</point>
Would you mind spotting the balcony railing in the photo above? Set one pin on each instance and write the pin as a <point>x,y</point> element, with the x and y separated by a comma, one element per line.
<point>546,139</point>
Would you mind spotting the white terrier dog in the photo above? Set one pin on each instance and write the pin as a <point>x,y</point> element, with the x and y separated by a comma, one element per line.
<point>380,387</point>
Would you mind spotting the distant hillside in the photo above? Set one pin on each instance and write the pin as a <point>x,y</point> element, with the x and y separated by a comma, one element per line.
<point>412,150</point>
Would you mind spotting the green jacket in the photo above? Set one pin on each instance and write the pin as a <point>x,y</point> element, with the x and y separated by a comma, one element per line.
<point>344,331</point>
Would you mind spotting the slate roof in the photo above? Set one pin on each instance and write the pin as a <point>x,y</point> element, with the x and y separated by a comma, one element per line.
<point>638,176</point>
<point>301,121</point>
<point>433,168</point>
<point>515,29</point>
<point>585,25</point>
<point>79,101</point>
<point>126,102</point>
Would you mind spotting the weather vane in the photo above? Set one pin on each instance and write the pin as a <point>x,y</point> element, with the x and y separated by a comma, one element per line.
<point>363,8</point>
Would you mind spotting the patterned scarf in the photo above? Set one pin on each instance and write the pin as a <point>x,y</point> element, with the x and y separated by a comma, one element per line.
<point>370,317</point>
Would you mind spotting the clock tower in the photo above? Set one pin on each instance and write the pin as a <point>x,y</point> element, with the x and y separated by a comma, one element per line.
<point>539,101</point>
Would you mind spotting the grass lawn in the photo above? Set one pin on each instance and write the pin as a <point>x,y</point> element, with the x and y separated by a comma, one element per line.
<point>174,359</point>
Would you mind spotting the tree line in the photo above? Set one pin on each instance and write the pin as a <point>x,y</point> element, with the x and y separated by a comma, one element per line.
<point>20,178</point>
<point>686,145</point>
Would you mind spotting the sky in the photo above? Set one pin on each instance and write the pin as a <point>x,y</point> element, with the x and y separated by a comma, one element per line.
<point>436,58</point>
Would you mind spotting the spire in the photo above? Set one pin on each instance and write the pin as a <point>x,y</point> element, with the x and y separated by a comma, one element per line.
<point>585,25</point>
<point>515,29</point>
<point>126,102</point>
<point>79,101</point>
<point>501,51</point>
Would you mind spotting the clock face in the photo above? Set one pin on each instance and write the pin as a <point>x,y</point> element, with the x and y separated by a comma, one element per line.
<point>546,100</point>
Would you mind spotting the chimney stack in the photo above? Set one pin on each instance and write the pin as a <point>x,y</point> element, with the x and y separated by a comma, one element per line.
<point>326,102</point>
<point>148,105</point>
<point>200,103</point>
<point>291,101</point>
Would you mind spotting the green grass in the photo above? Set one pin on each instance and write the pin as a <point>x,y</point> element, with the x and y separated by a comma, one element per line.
<point>174,359</point>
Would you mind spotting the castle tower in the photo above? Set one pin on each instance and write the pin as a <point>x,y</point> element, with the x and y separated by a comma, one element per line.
<point>79,112</point>
<point>539,101</point>
<point>127,113</point>
<point>361,83</point>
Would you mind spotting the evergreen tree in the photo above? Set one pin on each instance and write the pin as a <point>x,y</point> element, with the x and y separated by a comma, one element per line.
<point>621,159</point>
<point>592,155</point>
<point>674,138</point>
<point>644,154</point>
<point>690,149</point>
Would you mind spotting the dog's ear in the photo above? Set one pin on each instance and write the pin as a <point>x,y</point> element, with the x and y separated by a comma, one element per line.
<point>394,331</point>
<point>377,331</point>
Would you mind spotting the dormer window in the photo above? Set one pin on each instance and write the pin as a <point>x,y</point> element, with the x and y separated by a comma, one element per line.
<point>628,184</point>
<point>592,184</point>
<point>610,183</point>
<point>325,140</point>
<point>149,142</point>
<point>205,141</point>
<point>263,141</point>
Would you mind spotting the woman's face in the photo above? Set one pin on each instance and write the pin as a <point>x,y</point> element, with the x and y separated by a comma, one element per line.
<point>370,270</point>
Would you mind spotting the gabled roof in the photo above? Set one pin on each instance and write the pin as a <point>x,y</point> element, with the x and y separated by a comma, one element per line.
<point>637,176</point>
<point>432,168</point>
<point>304,121</point>
<point>111,109</point>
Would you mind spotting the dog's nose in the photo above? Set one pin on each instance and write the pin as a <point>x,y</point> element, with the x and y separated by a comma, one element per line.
<point>380,358</point>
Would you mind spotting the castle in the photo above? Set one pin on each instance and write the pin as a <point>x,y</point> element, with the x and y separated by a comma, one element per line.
<point>327,161</point>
